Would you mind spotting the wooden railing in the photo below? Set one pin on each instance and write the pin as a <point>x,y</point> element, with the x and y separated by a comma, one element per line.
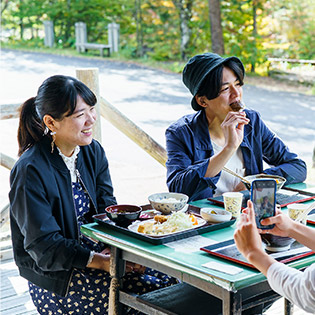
<point>302,61</point>
<point>275,69</point>
<point>120,121</point>
<point>103,108</point>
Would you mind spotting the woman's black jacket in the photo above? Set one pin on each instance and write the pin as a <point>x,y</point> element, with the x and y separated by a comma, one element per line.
<point>44,226</point>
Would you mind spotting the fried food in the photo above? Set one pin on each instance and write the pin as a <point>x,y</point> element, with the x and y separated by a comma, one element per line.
<point>166,224</point>
<point>160,218</point>
<point>237,106</point>
<point>146,227</point>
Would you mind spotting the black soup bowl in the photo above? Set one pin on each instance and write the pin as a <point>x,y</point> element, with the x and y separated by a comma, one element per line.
<point>123,215</point>
<point>276,243</point>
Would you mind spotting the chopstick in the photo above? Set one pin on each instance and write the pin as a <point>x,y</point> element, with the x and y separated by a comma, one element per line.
<point>236,175</point>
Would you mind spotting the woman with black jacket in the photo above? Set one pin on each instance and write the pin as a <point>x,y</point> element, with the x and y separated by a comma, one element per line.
<point>59,182</point>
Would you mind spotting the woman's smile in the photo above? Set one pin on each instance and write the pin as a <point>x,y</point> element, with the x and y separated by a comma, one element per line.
<point>76,129</point>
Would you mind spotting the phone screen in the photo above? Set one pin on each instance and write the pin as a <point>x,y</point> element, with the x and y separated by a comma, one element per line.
<point>263,196</point>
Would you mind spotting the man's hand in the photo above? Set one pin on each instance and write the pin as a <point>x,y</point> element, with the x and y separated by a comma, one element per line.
<point>233,128</point>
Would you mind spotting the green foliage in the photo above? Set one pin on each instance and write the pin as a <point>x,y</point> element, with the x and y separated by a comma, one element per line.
<point>252,29</point>
<point>294,29</point>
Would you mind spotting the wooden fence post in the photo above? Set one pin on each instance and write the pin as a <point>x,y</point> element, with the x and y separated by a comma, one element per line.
<point>7,161</point>
<point>89,76</point>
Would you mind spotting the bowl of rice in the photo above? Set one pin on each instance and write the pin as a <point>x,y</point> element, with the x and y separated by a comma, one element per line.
<point>168,202</point>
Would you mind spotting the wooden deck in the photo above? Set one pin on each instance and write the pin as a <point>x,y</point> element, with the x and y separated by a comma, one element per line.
<point>14,296</point>
<point>15,299</point>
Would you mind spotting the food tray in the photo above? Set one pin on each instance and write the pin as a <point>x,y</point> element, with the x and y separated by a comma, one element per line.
<point>103,220</point>
<point>228,250</point>
<point>311,217</point>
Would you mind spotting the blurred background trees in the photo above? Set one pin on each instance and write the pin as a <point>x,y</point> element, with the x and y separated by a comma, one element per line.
<point>173,29</point>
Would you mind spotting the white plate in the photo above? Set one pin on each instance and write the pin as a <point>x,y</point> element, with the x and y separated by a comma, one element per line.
<point>134,227</point>
<point>219,216</point>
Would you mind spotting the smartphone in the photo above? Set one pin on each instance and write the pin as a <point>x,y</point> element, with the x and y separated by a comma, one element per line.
<point>263,196</point>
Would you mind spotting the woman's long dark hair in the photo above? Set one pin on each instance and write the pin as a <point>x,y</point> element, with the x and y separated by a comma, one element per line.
<point>57,97</point>
<point>211,85</point>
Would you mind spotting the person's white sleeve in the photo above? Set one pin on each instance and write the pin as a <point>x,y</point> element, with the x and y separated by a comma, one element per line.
<point>297,286</point>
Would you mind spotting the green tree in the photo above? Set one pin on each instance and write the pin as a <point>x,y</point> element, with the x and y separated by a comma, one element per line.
<point>293,29</point>
<point>184,8</point>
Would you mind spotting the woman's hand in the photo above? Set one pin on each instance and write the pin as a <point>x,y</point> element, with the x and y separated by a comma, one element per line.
<point>233,128</point>
<point>248,241</point>
<point>283,224</point>
<point>134,267</point>
<point>246,236</point>
<point>100,261</point>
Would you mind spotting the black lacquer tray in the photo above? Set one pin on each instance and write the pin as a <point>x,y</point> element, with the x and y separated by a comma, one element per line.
<point>103,220</point>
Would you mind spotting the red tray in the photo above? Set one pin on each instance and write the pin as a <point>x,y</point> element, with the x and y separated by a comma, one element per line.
<point>311,217</point>
<point>228,250</point>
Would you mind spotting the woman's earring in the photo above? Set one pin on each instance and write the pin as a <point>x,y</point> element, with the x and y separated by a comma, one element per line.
<point>52,133</point>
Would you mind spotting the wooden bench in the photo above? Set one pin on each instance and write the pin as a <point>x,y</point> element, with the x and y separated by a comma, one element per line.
<point>101,47</point>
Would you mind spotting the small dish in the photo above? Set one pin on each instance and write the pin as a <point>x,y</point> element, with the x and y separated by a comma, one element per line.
<point>149,214</point>
<point>215,215</point>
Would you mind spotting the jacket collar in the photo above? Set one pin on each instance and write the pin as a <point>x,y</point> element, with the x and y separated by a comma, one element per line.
<point>199,126</point>
<point>54,158</point>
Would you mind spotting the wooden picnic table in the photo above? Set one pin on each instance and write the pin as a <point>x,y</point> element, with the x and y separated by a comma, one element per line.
<point>198,284</point>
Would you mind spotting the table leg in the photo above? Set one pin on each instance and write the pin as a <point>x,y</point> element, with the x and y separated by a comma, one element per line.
<point>288,307</point>
<point>116,271</point>
<point>231,304</point>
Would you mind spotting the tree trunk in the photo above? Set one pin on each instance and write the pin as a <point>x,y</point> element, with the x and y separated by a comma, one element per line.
<point>254,57</point>
<point>4,5</point>
<point>139,33</point>
<point>21,29</point>
<point>216,27</point>
<point>31,27</point>
<point>184,8</point>
<point>68,23</point>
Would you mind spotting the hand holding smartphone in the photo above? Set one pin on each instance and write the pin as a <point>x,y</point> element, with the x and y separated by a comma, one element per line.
<point>263,196</point>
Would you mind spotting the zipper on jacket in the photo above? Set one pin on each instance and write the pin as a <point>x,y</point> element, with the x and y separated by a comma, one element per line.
<point>82,183</point>
<point>76,218</point>
<point>68,285</point>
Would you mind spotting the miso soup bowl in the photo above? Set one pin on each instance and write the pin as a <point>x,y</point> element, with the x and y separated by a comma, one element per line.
<point>123,214</point>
